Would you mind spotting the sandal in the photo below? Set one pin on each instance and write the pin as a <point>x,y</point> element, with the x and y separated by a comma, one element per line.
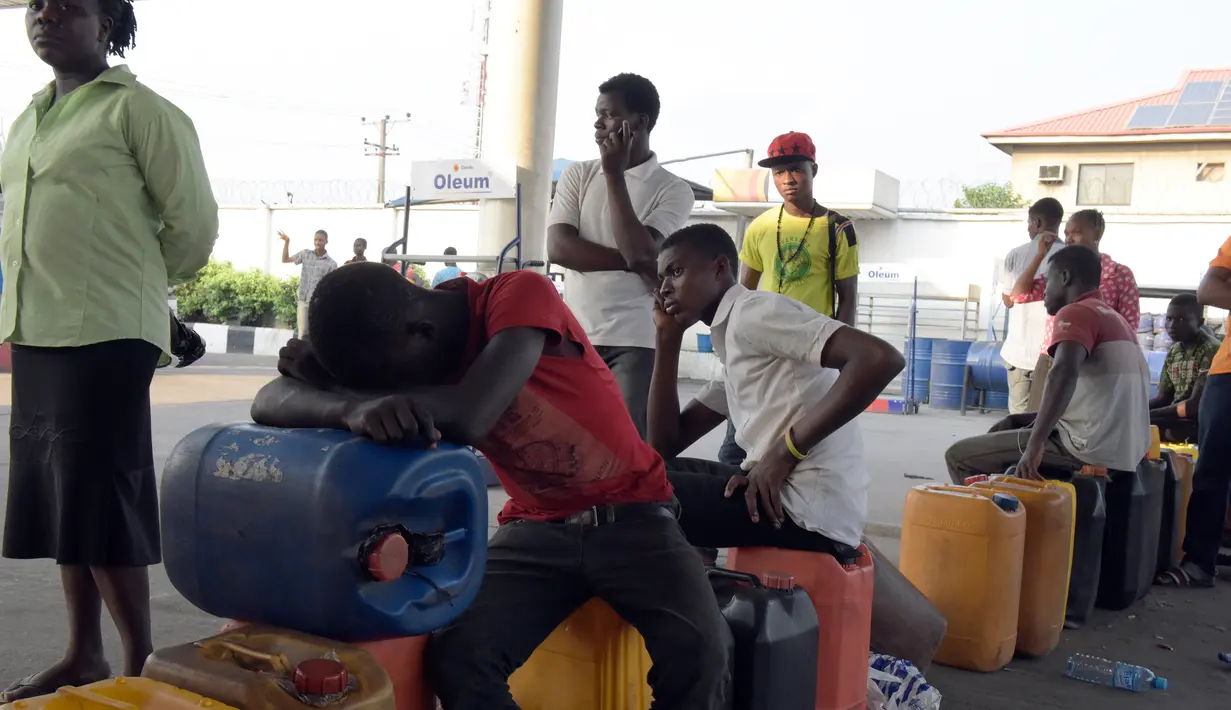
<point>1185,575</point>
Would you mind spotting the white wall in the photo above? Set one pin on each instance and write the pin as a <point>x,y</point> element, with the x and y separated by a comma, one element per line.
<point>247,236</point>
<point>949,250</point>
<point>1164,175</point>
<point>952,250</point>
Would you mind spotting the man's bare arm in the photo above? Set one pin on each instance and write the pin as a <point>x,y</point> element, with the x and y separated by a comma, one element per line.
<point>464,413</point>
<point>865,365</point>
<point>566,247</point>
<point>848,300</point>
<point>1058,392</point>
<point>637,243</point>
<point>1215,288</point>
<point>749,277</point>
<point>669,430</point>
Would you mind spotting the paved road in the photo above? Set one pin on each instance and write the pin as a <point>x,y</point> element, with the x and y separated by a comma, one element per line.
<point>1193,624</point>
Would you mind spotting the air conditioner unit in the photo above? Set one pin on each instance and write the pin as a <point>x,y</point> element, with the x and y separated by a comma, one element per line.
<point>1051,174</point>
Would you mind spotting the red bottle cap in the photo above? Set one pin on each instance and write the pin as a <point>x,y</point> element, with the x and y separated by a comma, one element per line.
<point>777,580</point>
<point>388,557</point>
<point>971,480</point>
<point>321,676</point>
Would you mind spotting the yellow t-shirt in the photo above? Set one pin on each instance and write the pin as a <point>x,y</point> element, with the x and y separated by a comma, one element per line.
<point>1222,361</point>
<point>800,272</point>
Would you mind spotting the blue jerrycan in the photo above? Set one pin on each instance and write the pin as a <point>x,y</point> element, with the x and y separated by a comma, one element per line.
<point>323,532</point>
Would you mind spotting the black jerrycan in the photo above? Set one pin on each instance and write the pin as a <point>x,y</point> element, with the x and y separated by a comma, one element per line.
<point>776,639</point>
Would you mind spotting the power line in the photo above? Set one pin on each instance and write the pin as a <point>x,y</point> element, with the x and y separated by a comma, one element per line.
<point>382,149</point>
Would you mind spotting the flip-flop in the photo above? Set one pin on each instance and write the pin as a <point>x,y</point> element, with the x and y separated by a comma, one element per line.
<point>1182,577</point>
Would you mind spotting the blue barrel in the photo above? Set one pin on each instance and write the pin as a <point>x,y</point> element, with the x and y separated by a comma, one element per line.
<point>919,351</point>
<point>998,401</point>
<point>948,373</point>
<point>323,532</point>
<point>1155,360</point>
<point>704,343</point>
<point>987,367</point>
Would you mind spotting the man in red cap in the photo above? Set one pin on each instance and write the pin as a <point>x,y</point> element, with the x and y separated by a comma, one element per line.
<point>799,249</point>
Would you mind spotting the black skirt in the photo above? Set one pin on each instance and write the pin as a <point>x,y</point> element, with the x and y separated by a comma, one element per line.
<point>82,487</point>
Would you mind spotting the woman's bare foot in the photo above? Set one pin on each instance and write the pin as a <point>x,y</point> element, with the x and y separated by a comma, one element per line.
<point>69,671</point>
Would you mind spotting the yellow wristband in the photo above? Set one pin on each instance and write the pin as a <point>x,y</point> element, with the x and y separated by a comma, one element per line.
<point>790,446</point>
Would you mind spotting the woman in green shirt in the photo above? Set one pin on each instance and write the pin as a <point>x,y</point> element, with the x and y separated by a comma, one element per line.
<point>108,203</point>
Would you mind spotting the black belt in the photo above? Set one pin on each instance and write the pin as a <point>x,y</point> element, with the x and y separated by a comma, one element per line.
<point>613,513</point>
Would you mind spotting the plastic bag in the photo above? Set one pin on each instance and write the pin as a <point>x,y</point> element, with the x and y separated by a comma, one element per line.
<point>901,683</point>
<point>876,699</point>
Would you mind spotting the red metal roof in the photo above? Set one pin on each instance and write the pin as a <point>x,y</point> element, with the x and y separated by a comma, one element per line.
<point>1113,120</point>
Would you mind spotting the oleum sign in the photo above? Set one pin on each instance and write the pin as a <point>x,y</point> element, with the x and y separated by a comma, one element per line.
<point>454,180</point>
<point>887,273</point>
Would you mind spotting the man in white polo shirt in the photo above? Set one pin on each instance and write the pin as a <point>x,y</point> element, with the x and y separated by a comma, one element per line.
<point>1027,321</point>
<point>793,380</point>
<point>608,219</point>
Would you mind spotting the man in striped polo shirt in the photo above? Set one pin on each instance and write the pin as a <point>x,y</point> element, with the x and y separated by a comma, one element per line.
<point>1095,407</point>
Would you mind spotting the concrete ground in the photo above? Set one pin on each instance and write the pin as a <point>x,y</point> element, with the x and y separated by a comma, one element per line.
<point>1177,633</point>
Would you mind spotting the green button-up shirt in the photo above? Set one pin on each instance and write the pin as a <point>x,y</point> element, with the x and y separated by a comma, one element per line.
<point>107,204</point>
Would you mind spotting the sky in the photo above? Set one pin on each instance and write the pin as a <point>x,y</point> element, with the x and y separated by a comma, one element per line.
<point>278,88</point>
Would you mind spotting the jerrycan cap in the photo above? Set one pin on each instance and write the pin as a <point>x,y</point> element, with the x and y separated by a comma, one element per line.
<point>778,580</point>
<point>388,557</point>
<point>1006,502</point>
<point>321,676</point>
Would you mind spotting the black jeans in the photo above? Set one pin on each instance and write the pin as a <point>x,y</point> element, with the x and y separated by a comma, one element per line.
<point>730,452</point>
<point>710,519</point>
<point>633,368</point>
<point>1207,509</point>
<point>538,573</point>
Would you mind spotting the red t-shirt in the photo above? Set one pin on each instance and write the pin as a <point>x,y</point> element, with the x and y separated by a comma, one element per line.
<point>567,442</point>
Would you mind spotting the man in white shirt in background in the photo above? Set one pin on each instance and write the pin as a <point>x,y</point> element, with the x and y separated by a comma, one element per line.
<point>1027,321</point>
<point>607,221</point>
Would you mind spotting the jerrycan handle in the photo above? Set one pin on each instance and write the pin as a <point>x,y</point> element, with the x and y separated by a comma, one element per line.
<point>89,696</point>
<point>732,574</point>
<point>277,661</point>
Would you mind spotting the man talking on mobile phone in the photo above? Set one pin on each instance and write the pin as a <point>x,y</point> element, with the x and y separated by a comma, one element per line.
<point>607,222</point>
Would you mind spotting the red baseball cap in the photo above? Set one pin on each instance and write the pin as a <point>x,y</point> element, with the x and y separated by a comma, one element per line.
<point>789,148</point>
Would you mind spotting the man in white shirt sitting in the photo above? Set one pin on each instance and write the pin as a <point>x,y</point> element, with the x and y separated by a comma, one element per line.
<point>793,381</point>
<point>606,224</point>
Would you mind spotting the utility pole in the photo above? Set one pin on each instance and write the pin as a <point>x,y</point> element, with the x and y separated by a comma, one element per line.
<point>381,149</point>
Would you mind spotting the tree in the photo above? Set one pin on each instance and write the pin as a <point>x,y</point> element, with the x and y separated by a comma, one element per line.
<point>989,195</point>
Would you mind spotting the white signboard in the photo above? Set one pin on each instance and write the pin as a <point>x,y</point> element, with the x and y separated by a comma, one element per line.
<point>887,273</point>
<point>459,180</point>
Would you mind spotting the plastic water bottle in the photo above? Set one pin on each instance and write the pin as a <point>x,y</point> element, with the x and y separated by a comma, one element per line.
<point>1114,674</point>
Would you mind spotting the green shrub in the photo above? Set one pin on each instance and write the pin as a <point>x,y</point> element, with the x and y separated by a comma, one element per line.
<point>223,294</point>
